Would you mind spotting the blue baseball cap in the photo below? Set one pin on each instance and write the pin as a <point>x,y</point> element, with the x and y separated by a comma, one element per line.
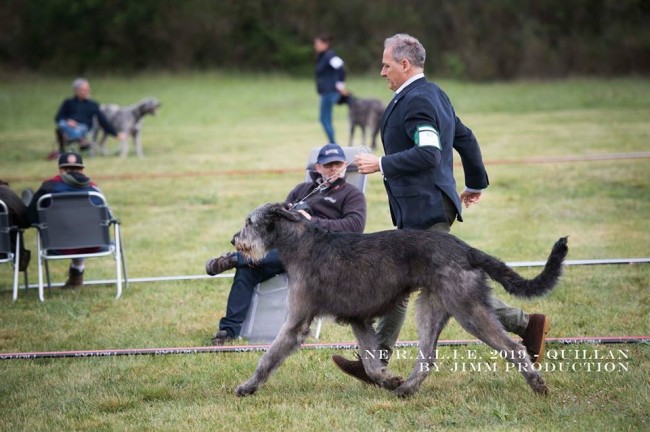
<point>70,159</point>
<point>330,153</point>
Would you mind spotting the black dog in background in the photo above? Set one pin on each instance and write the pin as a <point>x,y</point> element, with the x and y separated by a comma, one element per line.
<point>365,113</point>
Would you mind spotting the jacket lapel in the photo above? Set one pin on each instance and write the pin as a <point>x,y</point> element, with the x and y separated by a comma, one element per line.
<point>396,99</point>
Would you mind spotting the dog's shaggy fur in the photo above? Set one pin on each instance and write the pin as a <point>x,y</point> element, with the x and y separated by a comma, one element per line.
<point>358,277</point>
<point>365,113</point>
<point>127,119</point>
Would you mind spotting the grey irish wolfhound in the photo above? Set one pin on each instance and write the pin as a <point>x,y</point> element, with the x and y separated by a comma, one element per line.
<point>127,119</point>
<point>358,277</point>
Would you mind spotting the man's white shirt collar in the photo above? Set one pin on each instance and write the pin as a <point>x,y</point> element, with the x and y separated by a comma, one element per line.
<point>409,81</point>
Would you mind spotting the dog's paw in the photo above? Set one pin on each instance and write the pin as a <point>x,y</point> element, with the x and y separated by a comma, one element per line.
<point>245,390</point>
<point>392,383</point>
<point>405,391</point>
<point>538,385</point>
<point>541,389</point>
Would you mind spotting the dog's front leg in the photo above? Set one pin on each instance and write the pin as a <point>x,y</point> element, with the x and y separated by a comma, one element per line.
<point>371,356</point>
<point>431,318</point>
<point>291,335</point>
<point>138,144</point>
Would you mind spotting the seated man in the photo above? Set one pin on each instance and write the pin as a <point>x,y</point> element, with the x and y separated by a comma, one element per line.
<point>328,201</point>
<point>17,217</point>
<point>71,178</point>
<point>75,117</point>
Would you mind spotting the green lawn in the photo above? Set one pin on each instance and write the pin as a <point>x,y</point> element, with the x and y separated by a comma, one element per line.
<point>224,143</point>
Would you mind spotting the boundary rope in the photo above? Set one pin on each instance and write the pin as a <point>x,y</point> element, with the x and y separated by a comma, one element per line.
<point>607,261</point>
<point>597,340</point>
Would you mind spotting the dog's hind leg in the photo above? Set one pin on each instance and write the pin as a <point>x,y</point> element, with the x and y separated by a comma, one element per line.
<point>371,356</point>
<point>432,319</point>
<point>482,323</point>
<point>294,331</point>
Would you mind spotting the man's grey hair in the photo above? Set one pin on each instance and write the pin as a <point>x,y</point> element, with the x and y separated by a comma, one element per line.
<point>77,83</point>
<point>407,47</point>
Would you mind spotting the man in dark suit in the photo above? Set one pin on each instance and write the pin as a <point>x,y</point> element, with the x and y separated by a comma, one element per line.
<point>419,129</point>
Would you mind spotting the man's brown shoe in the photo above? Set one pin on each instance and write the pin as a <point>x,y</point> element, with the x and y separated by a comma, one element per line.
<point>75,279</point>
<point>354,368</point>
<point>534,338</point>
<point>221,264</point>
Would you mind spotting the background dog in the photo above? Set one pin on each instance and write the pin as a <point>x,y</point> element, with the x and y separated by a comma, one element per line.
<point>358,277</point>
<point>127,119</point>
<point>365,113</point>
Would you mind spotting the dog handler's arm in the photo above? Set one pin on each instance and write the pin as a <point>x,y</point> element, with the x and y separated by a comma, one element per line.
<point>466,145</point>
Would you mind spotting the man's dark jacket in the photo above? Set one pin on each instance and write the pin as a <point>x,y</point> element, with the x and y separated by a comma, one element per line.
<point>339,208</point>
<point>326,75</point>
<point>83,111</point>
<point>417,177</point>
<point>15,206</point>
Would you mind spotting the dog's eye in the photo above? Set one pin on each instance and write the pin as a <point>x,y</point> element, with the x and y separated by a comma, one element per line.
<point>248,221</point>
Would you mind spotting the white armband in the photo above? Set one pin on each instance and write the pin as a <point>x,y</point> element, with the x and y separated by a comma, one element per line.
<point>427,136</point>
<point>336,62</point>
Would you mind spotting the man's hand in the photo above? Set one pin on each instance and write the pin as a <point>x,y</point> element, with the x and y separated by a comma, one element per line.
<point>366,163</point>
<point>469,198</point>
<point>305,214</point>
<point>71,122</point>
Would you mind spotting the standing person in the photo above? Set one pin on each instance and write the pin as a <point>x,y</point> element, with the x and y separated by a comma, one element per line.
<point>331,203</point>
<point>419,130</point>
<point>330,81</point>
<point>71,178</point>
<point>75,117</point>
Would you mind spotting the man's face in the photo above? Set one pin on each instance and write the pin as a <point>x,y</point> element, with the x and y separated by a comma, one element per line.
<point>83,91</point>
<point>320,46</point>
<point>336,169</point>
<point>394,72</point>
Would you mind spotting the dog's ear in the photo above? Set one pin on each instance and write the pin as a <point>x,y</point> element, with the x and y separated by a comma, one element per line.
<point>283,211</point>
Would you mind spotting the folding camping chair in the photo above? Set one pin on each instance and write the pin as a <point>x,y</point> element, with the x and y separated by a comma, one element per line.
<point>66,144</point>
<point>77,225</point>
<point>7,253</point>
<point>268,309</point>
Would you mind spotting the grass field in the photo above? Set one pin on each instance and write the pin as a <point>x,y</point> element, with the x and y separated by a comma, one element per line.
<point>182,203</point>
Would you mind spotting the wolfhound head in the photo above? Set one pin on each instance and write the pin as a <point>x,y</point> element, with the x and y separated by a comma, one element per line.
<point>149,105</point>
<point>262,228</point>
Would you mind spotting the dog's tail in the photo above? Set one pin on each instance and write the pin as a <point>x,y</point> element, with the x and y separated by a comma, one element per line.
<point>513,282</point>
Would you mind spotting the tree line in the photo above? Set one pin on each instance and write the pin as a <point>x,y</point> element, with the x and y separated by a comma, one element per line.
<point>467,39</point>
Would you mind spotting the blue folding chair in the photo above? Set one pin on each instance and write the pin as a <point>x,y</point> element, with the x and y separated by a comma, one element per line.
<point>77,225</point>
